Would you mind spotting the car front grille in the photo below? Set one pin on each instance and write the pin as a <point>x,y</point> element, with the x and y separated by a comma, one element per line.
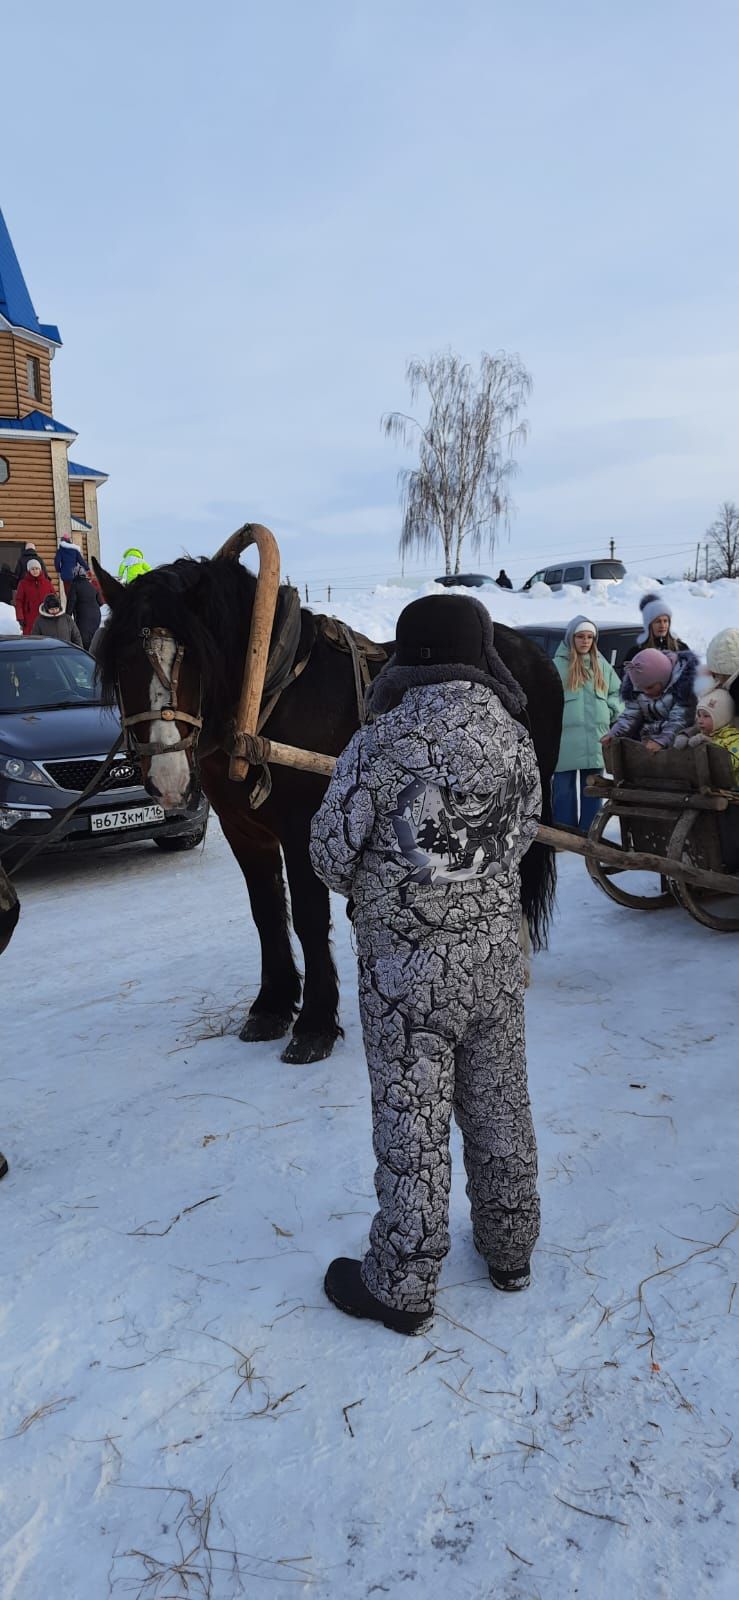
<point>75,775</point>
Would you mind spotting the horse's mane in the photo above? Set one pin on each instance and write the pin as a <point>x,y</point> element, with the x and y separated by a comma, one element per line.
<point>205,604</point>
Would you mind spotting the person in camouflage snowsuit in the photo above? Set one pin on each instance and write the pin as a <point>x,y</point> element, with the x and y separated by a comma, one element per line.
<point>428,814</point>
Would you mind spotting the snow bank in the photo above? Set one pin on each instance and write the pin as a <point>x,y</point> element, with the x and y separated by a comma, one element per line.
<point>8,621</point>
<point>699,610</point>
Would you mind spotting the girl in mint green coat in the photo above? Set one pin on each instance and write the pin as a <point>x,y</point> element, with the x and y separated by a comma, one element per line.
<point>592,702</point>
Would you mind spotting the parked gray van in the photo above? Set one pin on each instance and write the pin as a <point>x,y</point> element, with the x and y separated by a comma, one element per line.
<point>582,573</point>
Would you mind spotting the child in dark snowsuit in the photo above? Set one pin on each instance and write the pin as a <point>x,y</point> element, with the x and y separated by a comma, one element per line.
<point>424,824</point>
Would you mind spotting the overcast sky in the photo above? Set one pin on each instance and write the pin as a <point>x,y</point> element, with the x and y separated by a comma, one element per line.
<point>246,217</point>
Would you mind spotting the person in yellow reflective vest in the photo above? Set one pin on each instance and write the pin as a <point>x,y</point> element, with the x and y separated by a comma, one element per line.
<point>132,565</point>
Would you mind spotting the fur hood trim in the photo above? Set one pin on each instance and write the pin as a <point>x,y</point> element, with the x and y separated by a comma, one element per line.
<point>388,688</point>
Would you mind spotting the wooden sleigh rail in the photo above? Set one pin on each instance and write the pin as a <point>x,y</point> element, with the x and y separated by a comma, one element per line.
<point>612,855</point>
<point>255,750</point>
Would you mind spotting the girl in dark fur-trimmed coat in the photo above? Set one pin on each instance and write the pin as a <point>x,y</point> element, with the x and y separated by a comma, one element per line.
<point>658,691</point>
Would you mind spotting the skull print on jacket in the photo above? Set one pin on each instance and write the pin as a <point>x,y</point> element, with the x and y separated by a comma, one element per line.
<point>424,824</point>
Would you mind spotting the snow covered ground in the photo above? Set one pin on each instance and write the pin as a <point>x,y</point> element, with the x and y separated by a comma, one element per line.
<point>182,1413</point>
<point>174,1381</point>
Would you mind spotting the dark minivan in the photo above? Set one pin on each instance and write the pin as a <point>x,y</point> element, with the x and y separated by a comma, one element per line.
<point>54,736</point>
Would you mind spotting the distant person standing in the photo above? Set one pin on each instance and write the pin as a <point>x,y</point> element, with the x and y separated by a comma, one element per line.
<point>53,623</point>
<point>83,604</point>
<point>503,581</point>
<point>32,589</point>
<point>8,585</point>
<point>656,631</point>
<point>68,557</point>
<point>592,702</point>
<point>28,553</point>
<point>132,565</point>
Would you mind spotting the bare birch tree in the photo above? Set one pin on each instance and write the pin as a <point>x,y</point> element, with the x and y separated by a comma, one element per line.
<point>459,490</point>
<point>723,536</point>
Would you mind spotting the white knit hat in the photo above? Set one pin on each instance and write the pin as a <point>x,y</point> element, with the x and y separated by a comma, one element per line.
<point>652,606</point>
<point>579,625</point>
<point>722,655</point>
<point>720,708</point>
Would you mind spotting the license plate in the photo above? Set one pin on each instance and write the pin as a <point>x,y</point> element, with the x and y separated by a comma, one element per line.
<point>134,817</point>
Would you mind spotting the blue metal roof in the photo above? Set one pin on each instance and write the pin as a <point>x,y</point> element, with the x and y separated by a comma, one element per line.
<point>76,471</point>
<point>16,304</point>
<point>36,422</point>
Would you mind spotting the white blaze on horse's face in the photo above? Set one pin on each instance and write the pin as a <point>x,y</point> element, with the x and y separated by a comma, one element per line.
<point>169,774</point>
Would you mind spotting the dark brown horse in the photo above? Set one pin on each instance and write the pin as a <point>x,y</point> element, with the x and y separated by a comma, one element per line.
<point>177,638</point>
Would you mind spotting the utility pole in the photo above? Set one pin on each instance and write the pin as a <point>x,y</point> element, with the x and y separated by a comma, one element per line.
<point>705,548</point>
<point>697,559</point>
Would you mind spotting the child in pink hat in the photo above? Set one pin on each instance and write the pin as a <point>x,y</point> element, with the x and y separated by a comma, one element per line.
<point>659,697</point>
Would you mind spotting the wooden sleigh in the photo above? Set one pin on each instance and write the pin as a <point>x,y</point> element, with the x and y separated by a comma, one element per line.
<point>679,817</point>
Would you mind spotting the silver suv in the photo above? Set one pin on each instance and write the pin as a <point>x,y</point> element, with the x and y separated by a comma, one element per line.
<point>581,573</point>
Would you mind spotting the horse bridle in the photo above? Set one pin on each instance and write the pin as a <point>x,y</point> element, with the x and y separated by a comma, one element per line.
<point>152,639</point>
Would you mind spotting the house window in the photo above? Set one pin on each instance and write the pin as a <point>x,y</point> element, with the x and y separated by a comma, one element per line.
<point>33,377</point>
<point>4,470</point>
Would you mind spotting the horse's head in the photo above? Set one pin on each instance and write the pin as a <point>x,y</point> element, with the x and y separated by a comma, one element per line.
<point>148,662</point>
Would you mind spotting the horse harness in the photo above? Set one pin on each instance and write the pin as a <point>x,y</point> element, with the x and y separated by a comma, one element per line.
<point>152,640</point>
<point>284,667</point>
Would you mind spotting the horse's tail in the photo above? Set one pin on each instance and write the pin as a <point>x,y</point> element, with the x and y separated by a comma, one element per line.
<point>539,880</point>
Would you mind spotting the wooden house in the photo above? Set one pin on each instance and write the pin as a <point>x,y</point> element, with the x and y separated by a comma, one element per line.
<point>43,494</point>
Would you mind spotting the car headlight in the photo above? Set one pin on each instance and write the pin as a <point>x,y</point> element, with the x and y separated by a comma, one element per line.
<point>21,771</point>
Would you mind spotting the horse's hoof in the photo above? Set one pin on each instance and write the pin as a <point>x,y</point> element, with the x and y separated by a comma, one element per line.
<point>263,1025</point>
<point>307,1047</point>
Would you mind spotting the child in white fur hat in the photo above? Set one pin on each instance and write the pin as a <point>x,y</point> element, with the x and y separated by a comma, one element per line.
<point>722,661</point>
<point>713,725</point>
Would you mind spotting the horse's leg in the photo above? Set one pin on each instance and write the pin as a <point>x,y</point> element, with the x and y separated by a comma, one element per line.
<point>258,855</point>
<point>317,1026</point>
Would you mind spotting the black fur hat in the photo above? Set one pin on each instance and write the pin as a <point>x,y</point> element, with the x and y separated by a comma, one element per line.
<point>441,639</point>
<point>440,630</point>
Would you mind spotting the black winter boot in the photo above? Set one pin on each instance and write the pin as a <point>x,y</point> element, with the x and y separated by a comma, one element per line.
<point>510,1282</point>
<point>3,1165</point>
<point>345,1287</point>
